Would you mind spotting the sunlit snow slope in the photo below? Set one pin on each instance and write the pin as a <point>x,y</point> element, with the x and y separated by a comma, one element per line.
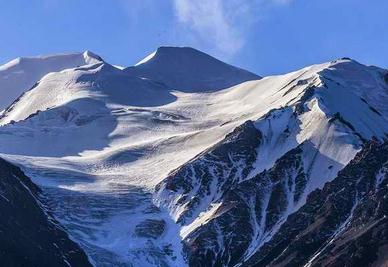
<point>19,75</point>
<point>189,70</point>
<point>99,139</point>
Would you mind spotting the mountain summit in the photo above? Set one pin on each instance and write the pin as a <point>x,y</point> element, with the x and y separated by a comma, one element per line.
<point>189,70</point>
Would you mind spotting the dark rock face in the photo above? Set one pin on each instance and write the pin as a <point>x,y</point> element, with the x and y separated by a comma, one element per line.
<point>28,235</point>
<point>261,221</point>
<point>248,214</point>
<point>267,220</point>
<point>204,179</point>
<point>344,224</point>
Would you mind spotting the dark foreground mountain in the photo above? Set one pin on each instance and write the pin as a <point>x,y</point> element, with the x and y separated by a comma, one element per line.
<point>29,236</point>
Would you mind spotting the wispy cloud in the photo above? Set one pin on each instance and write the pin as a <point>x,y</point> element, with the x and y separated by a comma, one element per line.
<point>221,25</point>
<point>211,22</point>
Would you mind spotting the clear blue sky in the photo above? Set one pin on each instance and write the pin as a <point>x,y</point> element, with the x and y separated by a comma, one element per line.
<point>264,36</point>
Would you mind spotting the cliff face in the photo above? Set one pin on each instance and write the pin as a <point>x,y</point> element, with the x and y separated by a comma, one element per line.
<point>258,222</point>
<point>344,224</point>
<point>248,214</point>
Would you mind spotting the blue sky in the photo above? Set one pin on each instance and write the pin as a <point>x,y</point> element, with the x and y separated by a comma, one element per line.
<point>264,36</point>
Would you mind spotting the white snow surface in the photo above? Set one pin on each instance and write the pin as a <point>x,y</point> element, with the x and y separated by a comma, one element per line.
<point>19,75</point>
<point>189,70</point>
<point>98,139</point>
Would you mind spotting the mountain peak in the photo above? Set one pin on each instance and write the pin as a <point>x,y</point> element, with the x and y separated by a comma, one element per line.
<point>91,57</point>
<point>345,60</point>
<point>185,51</point>
<point>189,70</point>
<point>173,52</point>
<point>20,74</point>
<point>87,56</point>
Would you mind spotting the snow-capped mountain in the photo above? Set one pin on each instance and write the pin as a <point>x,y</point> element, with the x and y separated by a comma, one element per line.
<point>185,160</point>
<point>189,70</point>
<point>19,75</point>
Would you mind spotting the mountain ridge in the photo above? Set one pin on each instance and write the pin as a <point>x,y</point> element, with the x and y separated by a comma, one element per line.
<point>141,171</point>
<point>19,75</point>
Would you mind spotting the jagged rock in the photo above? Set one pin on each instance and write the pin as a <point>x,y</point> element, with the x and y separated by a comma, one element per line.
<point>216,170</point>
<point>247,214</point>
<point>344,224</point>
